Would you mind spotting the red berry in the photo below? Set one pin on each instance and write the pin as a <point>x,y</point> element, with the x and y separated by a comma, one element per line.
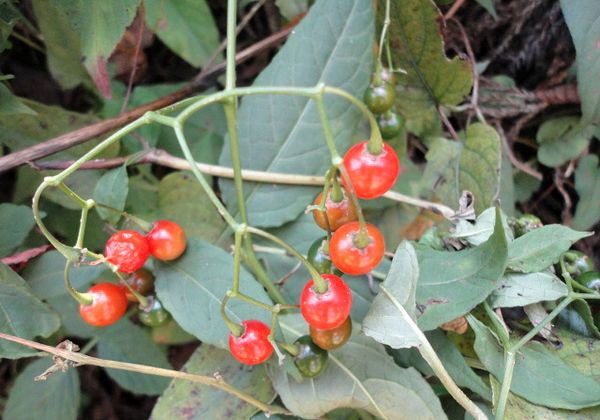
<point>128,250</point>
<point>371,175</point>
<point>337,213</point>
<point>166,240</point>
<point>253,346</point>
<point>329,309</point>
<point>109,304</point>
<point>351,259</point>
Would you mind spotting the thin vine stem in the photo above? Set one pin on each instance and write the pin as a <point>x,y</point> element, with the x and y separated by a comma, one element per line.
<point>81,359</point>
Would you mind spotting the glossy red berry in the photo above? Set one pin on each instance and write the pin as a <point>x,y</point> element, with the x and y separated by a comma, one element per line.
<point>128,250</point>
<point>336,212</point>
<point>371,175</point>
<point>347,256</point>
<point>329,309</point>
<point>253,346</point>
<point>109,304</point>
<point>167,240</point>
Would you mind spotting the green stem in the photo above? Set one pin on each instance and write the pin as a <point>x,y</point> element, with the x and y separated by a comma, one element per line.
<point>336,160</point>
<point>82,227</point>
<point>235,328</point>
<point>260,274</point>
<point>320,284</point>
<point>545,321</point>
<point>382,38</point>
<point>231,38</point>
<point>251,301</point>
<point>499,326</point>
<point>237,257</point>
<point>236,164</point>
<point>140,298</point>
<point>83,298</point>
<point>509,364</point>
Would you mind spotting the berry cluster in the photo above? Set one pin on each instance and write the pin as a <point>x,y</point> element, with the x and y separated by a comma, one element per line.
<point>128,251</point>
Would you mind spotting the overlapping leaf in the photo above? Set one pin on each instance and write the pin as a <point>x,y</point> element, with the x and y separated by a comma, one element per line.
<point>587,184</point>
<point>15,224</point>
<point>523,289</point>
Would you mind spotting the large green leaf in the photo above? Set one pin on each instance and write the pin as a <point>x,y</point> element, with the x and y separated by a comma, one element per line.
<point>62,43</point>
<point>582,19</point>
<point>15,224</point>
<point>452,283</point>
<point>284,133</point>
<point>523,289</point>
<point>55,398</point>
<point>480,165</point>
<point>192,287</point>
<point>359,375</point>
<point>385,323</point>
<point>539,376</point>
<point>10,104</point>
<point>185,26</point>
<point>111,190</point>
<point>562,139</point>
<point>587,184</point>
<point>22,314</point>
<point>451,358</point>
<point>583,353</point>
<point>127,342</point>
<point>441,173</point>
<point>540,248</point>
<point>182,200</point>
<point>99,25</point>
<point>184,399</point>
<point>417,47</point>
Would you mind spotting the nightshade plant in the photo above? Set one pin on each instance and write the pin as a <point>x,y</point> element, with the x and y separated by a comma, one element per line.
<point>372,337</point>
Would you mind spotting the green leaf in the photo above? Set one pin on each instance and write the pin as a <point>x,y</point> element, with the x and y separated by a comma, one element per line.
<point>452,360</point>
<point>186,27</point>
<point>418,48</point>
<point>286,134</point>
<point>581,17</point>
<point>385,322</point>
<point>523,289</point>
<point>587,184</point>
<point>182,200</point>
<point>99,27</point>
<point>9,17</point>
<point>562,139</point>
<point>489,6</point>
<point>578,317</point>
<point>62,44</point>
<point>127,342</point>
<point>111,190</point>
<point>192,287</point>
<point>15,224</point>
<point>539,376</point>
<point>10,104</point>
<point>291,8</point>
<point>441,173</point>
<point>583,353</point>
<point>22,314</point>
<point>542,247</point>
<point>481,155</point>
<point>480,231</point>
<point>55,398</point>
<point>71,322</point>
<point>452,283</point>
<point>185,399</point>
<point>45,275</point>
<point>171,333</point>
<point>360,375</point>
<point>519,409</point>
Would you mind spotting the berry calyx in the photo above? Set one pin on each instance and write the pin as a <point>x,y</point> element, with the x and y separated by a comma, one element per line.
<point>336,213</point>
<point>311,360</point>
<point>166,240</point>
<point>379,97</point>
<point>334,338</point>
<point>108,305</point>
<point>353,257</point>
<point>128,250</point>
<point>329,309</point>
<point>253,346</point>
<point>371,175</point>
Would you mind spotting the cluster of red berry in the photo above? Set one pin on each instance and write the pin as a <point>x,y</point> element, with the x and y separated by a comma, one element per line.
<point>355,248</point>
<point>128,250</point>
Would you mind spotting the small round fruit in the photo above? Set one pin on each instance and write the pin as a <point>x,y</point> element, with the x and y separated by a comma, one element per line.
<point>337,213</point>
<point>318,258</point>
<point>589,279</point>
<point>311,360</point>
<point>155,314</point>
<point>108,305</point>
<point>577,263</point>
<point>166,240</point>
<point>371,175</point>
<point>390,124</point>
<point>379,98</point>
<point>526,223</point>
<point>142,281</point>
<point>329,309</point>
<point>128,250</point>
<point>253,346</point>
<point>334,338</point>
<point>351,259</point>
